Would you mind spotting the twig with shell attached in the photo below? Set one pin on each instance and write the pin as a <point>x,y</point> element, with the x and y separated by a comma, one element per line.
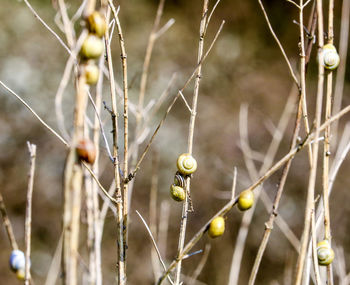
<point>185,211</point>
<point>133,173</point>
<point>273,215</point>
<point>312,177</point>
<point>310,139</point>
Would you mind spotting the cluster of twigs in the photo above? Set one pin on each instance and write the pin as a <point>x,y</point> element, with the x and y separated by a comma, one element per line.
<point>81,176</point>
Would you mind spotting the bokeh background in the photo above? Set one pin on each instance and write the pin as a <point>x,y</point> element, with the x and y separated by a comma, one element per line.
<point>244,67</point>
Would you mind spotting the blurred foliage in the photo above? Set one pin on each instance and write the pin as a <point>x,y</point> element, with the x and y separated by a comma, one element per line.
<point>245,66</point>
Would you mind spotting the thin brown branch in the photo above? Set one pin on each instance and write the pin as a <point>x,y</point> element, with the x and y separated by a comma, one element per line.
<point>28,220</point>
<point>312,178</point>
<point>190,138</point>
<point>118,193</point>
<point>7,224</point>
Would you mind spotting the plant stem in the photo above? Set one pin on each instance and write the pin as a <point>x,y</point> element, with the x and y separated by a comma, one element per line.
<point>28,222</point>
<point>190,137</point>
<point>312,178</point>
<point>118,193</point>
<point>327,147</point>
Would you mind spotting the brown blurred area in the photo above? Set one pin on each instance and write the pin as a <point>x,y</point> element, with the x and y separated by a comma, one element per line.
<point>244,67</point>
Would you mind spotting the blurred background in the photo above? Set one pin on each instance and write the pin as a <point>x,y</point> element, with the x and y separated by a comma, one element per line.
<point>245,68</point>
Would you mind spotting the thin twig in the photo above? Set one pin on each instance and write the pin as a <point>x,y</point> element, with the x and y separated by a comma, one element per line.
<point>28,221</point>
<point>154,244</point>
<point>327,147</point>
<point>7,224</point>
<point>118,193</point>
<point>54,269</point>
<point>201,264</point>
<point>312,178</point>
<point>343,51</point>
<point>190,138</point>
<point>99,184</point>
<point>279,44</point>
<point>101,126</point>
<point>153,212</point>
<point>273,214</point>
<point>47,26</point>
<point>35,114</point>
<point>314,249</point>
<point>126,201</point>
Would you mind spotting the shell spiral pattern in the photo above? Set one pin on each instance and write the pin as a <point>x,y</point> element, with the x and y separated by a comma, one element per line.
<point>325,253</point>
<point>186,164</point>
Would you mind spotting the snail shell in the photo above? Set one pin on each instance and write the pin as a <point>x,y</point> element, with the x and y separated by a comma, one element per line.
<point>179,180</point>
<point>177,193</point>
<point>330,57</point>
<point>245,200</point>
<point>325,253</point>
<point>91,73</point>
<point>96,24</point>
<point>86,150</point>
<point>17,260</point>
<point>186,164</point>
<point>92,47</point>
<point>217,227</point>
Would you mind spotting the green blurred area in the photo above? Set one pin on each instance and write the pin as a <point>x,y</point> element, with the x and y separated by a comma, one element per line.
<point>244,67</point>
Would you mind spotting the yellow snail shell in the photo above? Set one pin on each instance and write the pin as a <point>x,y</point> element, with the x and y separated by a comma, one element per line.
<point>330,57</point>
<point>177,193</point>
<point>179,180</point>
<point>245,200</point>
<point>92,47</point>
<point>186,164</point>
<point>217,227</point>
<point>96,24</point>
<point>325,253</point>
<point>91,73</point>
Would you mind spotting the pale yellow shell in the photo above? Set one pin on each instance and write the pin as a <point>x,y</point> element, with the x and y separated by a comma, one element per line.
<point>186,164</point>
<point>177,193</point>
<point>325,253</point>
<point>329,56</point>
<point>216,227</point>
<point>245,200</point>
<point>91,73</point>
<point>92,47</point>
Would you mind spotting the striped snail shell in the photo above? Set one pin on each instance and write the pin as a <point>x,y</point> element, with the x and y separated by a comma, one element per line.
<point>186,164</point>
<point>179,180</point>
<point>330,57</point>
<point>177,193</point>
<point>17,260</point>
<point>216,227</point>
<point>325,253</point>
<point>245,200</point>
